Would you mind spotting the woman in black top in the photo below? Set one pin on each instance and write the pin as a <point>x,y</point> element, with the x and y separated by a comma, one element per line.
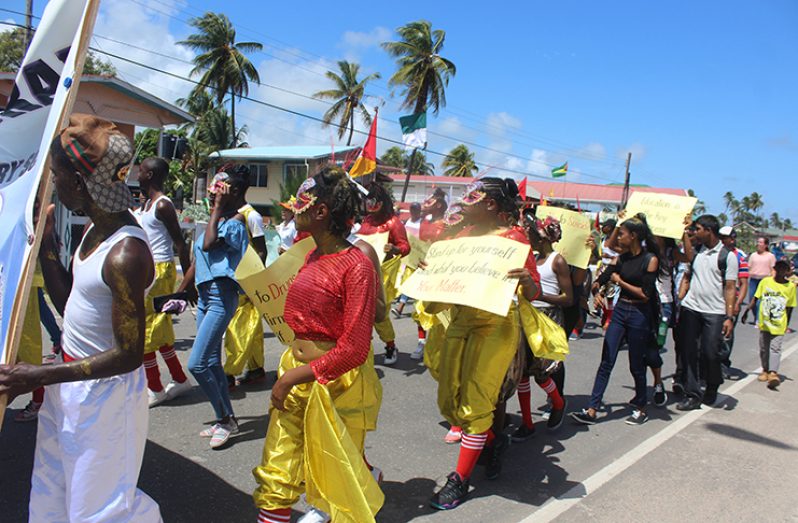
<point>635,272</point>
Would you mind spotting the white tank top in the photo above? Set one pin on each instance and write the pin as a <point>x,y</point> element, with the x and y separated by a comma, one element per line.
<point>160,241</point>
<point>548,280</point>
<point>87,316</point>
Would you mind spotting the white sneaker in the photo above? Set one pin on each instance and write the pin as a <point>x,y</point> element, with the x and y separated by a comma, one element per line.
<point>175,389</point>
<point>314,515</point>
<point>156,398</point>
<point>418,354</point>
<point>223,432</point>
<point>208,433</point>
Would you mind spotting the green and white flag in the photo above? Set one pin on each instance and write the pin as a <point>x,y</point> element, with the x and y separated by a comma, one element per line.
<point>414,130</point>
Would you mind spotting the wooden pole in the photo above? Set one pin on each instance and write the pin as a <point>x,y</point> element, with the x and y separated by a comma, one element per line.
<point>407,176</point>
<point>625,197</point>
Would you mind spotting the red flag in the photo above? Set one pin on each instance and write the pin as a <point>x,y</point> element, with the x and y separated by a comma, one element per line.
<point>598,223</point>
<point>522,189</point>
<point>368,156</point>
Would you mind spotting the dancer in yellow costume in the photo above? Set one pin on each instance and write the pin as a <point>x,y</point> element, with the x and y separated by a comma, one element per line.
<point>480,345</point>
<point>158,218</point>
<point>327,394</point>
<point>243,340</point>
<point>30,346</point>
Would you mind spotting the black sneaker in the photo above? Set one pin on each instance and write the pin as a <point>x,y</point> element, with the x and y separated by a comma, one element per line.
<point>583,417</point>
<point>556,416</point>
<point>452,494</point>
<point>638,417</point>
<point>689,403</point>
<point>497,450</point>
<point>677,388</point>
<point>523,433</point>
<point>251,376</point>
<point>391,355</point>
<point>660,396</point>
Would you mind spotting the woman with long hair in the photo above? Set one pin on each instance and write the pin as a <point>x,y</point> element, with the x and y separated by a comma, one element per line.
<point>633,319</point>
<point>480,345</point>
<point>327,373</point>
<point>380,218</point>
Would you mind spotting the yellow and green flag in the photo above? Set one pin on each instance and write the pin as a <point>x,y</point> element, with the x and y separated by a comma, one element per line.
<point>560,171</point>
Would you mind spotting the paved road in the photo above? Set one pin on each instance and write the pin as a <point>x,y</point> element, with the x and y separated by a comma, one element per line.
<point>193,483</point>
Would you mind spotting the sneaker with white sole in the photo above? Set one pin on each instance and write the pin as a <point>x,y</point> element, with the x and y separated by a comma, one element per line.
<point>208,433</point>
<point>314,515</point>
<point>223,432</point>
<point>29,413</point>
<point>391,355</point>
<point>156,398</point>
<point>175,389</point>
<point>453,436</point>
<point>638,417</point>
<point>418,354</point>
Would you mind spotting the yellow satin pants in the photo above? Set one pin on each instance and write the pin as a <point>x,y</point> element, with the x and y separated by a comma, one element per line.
<point>317,447</point>
<point>473,363</point>
<point>390,271</point>
<point>243,341</point>
<point>158,331</point>
<point>30,344</point>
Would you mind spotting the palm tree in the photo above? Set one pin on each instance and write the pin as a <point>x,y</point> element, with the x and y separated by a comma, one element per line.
<point>775,221</point>
<point>723,219</point>
<point>786,224</point>
<point>422,72</point>
<point>221,61</point>
<point>348,95</point>
<point>418,164</point>
<point>395,157</point>
<point>755,202</point>
<point>459,162</point>
<point>729,200</point>
<point>700,206</point>
<point>217,131</point>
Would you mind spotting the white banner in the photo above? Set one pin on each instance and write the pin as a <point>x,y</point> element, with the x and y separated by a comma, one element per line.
<point>27,125</point>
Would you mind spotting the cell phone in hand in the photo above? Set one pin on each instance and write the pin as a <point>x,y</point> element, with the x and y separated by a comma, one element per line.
<point>159,301</point>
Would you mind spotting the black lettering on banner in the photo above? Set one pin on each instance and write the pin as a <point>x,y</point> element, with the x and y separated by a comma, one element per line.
<point>4,168</point>
<point>42,81</point>
<point>17,106</point>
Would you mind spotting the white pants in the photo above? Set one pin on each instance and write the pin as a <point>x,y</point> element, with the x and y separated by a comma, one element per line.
<point>89,449</point>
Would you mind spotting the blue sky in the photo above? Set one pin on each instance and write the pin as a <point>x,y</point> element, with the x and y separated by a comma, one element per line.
<point>702,93</point>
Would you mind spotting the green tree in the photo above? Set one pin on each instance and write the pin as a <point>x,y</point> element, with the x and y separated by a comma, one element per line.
<point>700,206</point>
<point>775,221</point>
<point>217,131</point>
<point>395,157</point>
<point>755,202</point>
<point>288,188</point>
<point>348,98</point>
<point>12,50</point>
<point>786,224</point>
<point>459,162</point>
<point>422,73</point>
<point>723,219</point>
<point>221,61</point>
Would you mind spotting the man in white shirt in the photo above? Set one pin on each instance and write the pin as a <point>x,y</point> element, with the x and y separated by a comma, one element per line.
<point>286,229</point>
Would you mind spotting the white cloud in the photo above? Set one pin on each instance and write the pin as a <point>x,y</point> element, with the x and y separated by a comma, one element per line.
<point>594,151</point>
<point>638,151</point>
<point>357,40</point>
<point>499,123</point>
<point>4,28</point>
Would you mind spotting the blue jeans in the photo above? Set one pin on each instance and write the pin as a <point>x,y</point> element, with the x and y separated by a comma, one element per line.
<point>753,283</point>
<point>48,320</point>
<point>632,322</point>
<point>218,301</point>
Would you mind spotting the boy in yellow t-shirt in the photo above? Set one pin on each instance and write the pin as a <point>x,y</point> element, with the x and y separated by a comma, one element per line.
<point>776,297</point>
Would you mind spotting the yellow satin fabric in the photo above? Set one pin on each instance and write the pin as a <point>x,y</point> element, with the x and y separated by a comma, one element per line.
<point>390,271</point>
<point>546,339</point>
<point>158,331</point>
<point>435,326</point>
<point>243,341</point>
<point>474,360</point>
<point>30,345</point>
<point>316,446</point>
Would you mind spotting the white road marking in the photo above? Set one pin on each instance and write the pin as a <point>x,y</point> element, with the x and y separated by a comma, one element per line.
<point>557,506</point>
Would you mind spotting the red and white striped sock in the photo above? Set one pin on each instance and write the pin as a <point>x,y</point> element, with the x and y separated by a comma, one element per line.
<point>278,515</point>
<point>470,448</point>
<point>525,401</point>
<point>152,372</point>
<point>175,367</point>
<point>551,389</point>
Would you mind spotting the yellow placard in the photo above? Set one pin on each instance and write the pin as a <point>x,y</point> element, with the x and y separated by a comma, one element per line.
<point>576,229</point>
<point>664,212</point>
<point>469,271</point>
<point>418,249</point>
<point>378,241</point>
<point>268,287</point>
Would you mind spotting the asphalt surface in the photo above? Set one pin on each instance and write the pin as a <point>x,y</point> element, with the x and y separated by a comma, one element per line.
<point>738,460</point>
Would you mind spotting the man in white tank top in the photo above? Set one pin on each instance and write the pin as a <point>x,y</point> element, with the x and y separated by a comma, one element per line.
<point>93,423</point>
<point>158,218</point>
<point>243,340</point>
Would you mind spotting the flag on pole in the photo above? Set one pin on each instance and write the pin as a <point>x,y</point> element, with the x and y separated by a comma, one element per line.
<point>366,163</point>
<point>560,171</point>
<point>578,205</point>
<point>50,71</point>
<point>414,130</point>
<point>522,189</point>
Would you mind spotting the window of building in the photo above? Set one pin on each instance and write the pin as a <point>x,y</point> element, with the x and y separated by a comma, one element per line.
<point>258,175</point>
<point>291,170</point>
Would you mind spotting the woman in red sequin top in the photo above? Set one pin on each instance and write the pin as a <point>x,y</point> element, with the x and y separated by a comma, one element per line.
<point>331,309</point>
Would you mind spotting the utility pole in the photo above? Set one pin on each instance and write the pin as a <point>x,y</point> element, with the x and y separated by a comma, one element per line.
<point>28,23</point>
<point>410,163</point>
<point>625,197</point>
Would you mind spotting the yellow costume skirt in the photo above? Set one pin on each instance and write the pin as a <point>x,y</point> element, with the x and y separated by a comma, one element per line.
<point>158,331</point>
<point>435,326</point>
<point>30,345</point>
<point>473,364</point>
<point>316,445</point>
<point>390,271</point>
<point>243,341</point>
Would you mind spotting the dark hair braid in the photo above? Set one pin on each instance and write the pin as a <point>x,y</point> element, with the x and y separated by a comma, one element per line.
<point>504,191</point>
<point>638,225</point>
<point>342,197</point>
